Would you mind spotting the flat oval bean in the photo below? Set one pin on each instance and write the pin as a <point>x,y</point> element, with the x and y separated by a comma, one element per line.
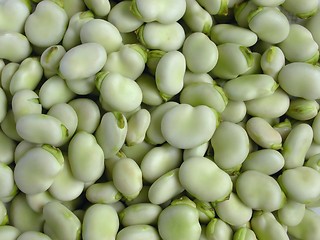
<point>262,133</point>
<point>179,222</point>
<point>103,193</point>
<point>86,157</point>
<point>34,128</point>
<point>22,216</point>
<point>300,80</point>
<point>296,145</point>
<point>228,33</point>
<point>122,61</point>
<point>169,74</point>
<point>270,24</point>
<point>248,187</point>
<point>60,222</point>
<point>102,32</point>
<point>165,187</point>
<point>166,37</point>
<point>138,124</point>
<point>140,213</point>
<point>177,131</point>
<point>54,91</point>
<point>233,61</point>
<point>291,214</point>
<point>250,87</point>
<point>119,92</point>
<point>233,211</point>
<point>33,175</point>
<point>136,232</point>
<point>127,177</point>
<point>164,12</point>
<point>230,143</point>
<point>82,61</point>
<point>14,46</point>
<point>111,133</point>
<point>46,25</point>
<point>301,184</point>
<point>203,179</point>
<point>271,106</point>
<point>267,161</point>
<point>160,160</point>
<point>86,107</point>
<point>27,76</point>
<point>300,46</point>
<point>262,223</point>
<point>200,52</point>
<point>7,148</point>
<point>122,17</point>
<point>100,222</point>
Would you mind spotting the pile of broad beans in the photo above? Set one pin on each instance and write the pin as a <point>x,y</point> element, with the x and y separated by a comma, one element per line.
<point>149,119</point>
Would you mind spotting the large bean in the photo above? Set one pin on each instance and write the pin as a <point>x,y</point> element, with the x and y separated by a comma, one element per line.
<point>100,222</point>
<point>34,175</point>
<point>14,46</point>
<point>200,52</point>
<point>196,128</point>
<point>250,87</point>
<point>230,143</point>
<point>300,80</point>
<point>159,161</point>
<point>46,25</point>
<point>82,61</point>
<point>164,12</point>
<point>250,192</point>
<point>127,177</point>
<point>86,157</point>
<point>60,222</point>
<point>111,133</point>
<point>203,179</point>
<point>262,223</point>
<point>169,74</point>
<point>179,222</point>
<point>296,145</point>
<point>301,184</point>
